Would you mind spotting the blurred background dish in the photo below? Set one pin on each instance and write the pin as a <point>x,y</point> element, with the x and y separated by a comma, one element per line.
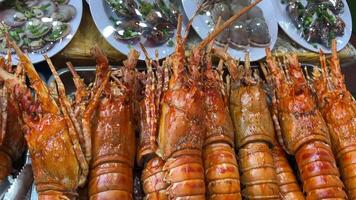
<point>312,24</point>
<point>39,26</point>
<point>253,31</point>
<point>125,24</point>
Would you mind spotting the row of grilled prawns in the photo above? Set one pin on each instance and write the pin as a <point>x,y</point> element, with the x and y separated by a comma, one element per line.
<point>189,117</point>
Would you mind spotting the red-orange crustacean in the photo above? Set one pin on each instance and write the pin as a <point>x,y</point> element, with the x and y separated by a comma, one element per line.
<point>153,174</point>
<point>254,133</point>
<point>288,185</point>
<point>113,132</point>
<point>51,136</point>
<point>181,133</point>
<point>12,140</point>
<point>304,131</point>
<point>338,108</point>
<point>220,162</point>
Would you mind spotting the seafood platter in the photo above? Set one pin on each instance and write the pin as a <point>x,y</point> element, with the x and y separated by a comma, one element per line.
<point>39,26</point>
<point>185,127</point>
<point>315,23</point>
<point>253,32</point>
<point>125,24</point>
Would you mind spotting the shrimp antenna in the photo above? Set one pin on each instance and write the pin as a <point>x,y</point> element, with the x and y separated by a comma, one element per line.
<point>190,22</point>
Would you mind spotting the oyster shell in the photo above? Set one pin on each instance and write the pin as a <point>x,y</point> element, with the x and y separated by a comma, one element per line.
<point>12,18</point>
<point>40,46</point>
<point>122,8</point>
<point>237,8</point>
<point>31,3</point>
<point>239,35</point>
<point>337,6</point>
<point>62,1</point>
<point>222,10</point>
<point>38,13</point>
<point>259,33</point>
<point>128,29</point>
<point>47,7</point>
<point>255,12</point>
<point>157,34</point>
<point>296,12</point>
<point>59,31</point>
<point>339,26</point>
<point>64,13</point>
<point>241,2</point>
<point>36,28</point>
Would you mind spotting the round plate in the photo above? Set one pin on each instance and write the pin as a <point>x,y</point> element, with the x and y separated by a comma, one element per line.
<point>201,25</point>
<point>102,12</point>
<point>59,45</point>
<point>291,30</point>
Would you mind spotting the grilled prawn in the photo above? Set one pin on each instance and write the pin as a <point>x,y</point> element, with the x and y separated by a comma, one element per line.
<point>12,140</point>
<point>304,131</point>
<point>113,133</point>
<point>51,136</point>
<point>153,174</point>
<point>338,108</point>
<point>254,134</point>
<point>220,163</point>
<point>288,186</point>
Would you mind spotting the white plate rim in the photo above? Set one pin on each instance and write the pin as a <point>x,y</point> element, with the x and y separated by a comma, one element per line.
<point>105,27</point>
<point>60,45</point>
<point>256,53</point>
<point>285,23</point>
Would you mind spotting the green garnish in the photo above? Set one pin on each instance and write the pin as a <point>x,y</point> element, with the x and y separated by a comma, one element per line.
<point>165,32</point>
<point>145,8</point>
<point>44,7</point>
<point>170,43</point>
<point>61,1</point>
<point>57,32</point>
<point>129,34</point>
<point>15,34</point>
<point>118,6</point>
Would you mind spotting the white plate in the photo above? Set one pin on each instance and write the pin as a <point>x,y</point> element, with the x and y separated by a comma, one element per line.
<point>101,13</point>
<point>200,25</point>
<point>59,45</point>
<point>287,25</point>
